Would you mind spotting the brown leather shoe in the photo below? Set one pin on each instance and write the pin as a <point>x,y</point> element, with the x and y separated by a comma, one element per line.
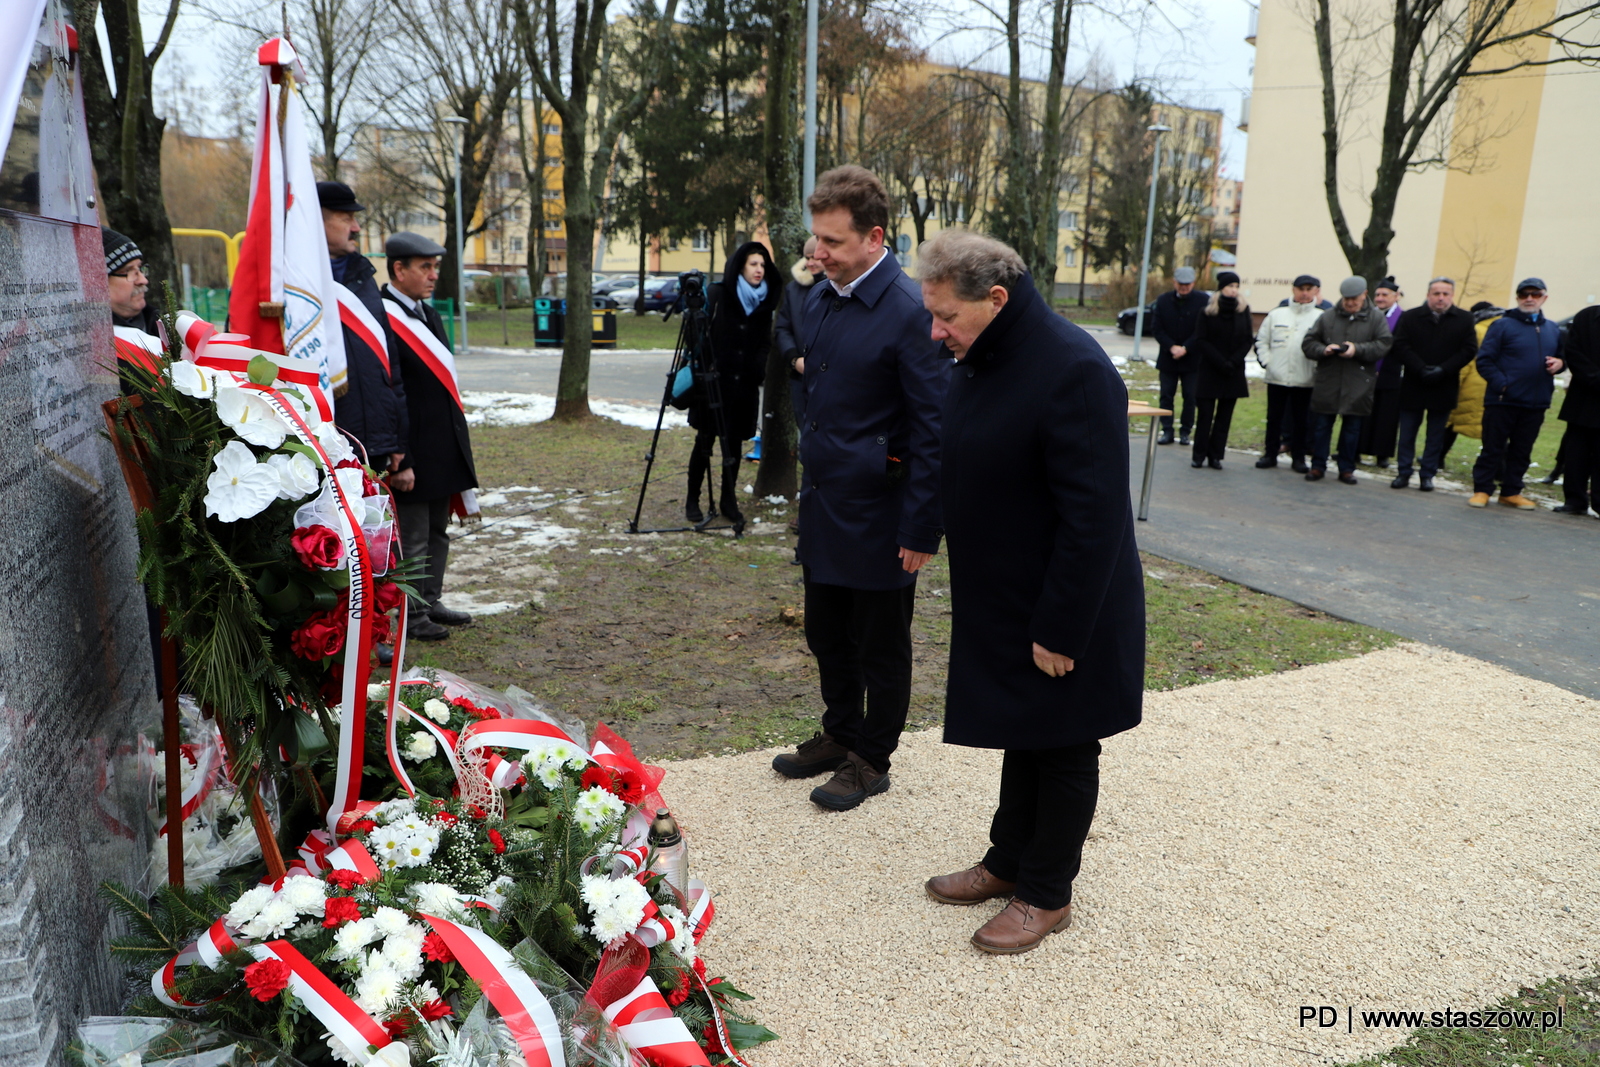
<point>819,755</point>
<point>1020,928</point>
<point>968,887</point>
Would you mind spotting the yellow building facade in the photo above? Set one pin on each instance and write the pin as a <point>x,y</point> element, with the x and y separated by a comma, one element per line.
<point>1516,204</point>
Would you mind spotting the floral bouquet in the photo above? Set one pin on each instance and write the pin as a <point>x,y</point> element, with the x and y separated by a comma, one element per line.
<point>217,830</point>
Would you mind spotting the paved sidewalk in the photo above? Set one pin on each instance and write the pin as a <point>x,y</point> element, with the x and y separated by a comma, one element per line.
<point>1517,588</point>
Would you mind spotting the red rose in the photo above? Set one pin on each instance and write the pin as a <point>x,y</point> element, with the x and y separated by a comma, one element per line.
<point>382,630</point>
<point>343,879</point>
<point>435,949</point>
<point>340,910</point>
<point>318,547</point>
<point>598,776</point>
<point>389,597</point>
<point>266,978</point>
<point>497,841</point>
<point>435,1010</point>
<point>321,635</point>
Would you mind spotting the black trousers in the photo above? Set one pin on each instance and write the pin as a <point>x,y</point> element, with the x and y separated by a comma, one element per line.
<point>1432,441</point>
<point>862,641</point>
<point>1508,437</point>
<point>1580,446</point>
<point>1170,381</point>
<point>1211,432</point>
<point>425,531</point>
<point>1047,800</point>
<point>1291,405</point>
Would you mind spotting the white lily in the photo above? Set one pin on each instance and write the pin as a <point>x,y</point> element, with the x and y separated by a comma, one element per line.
<point>252,418</point>
<point>191,379</point>
<point>239,487</point>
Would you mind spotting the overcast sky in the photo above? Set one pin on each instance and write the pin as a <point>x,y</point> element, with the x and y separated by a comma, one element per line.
<point>1192,50</point>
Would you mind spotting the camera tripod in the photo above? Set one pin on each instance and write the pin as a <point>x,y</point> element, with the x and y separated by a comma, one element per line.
<point>694,352</point>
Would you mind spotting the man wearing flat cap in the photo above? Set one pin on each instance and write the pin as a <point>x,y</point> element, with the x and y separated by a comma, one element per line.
<point>1289,372</point>
<point>1172,323</point>
<point>1519,359</point>
<point>439,461</point>
<point>1346,344</point>
<point>371,403</point>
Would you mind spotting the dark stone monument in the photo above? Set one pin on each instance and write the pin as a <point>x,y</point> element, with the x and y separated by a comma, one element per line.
<point>77,702</point>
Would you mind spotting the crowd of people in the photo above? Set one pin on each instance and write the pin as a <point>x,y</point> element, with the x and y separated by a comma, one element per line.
<point>1384,374</point>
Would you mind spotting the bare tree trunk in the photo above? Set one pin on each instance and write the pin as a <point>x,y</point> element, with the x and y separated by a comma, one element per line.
<point>781,192</point>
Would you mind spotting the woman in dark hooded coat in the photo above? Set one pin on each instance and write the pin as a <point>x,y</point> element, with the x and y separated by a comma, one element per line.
<point>741,308</point>
<point>1223,334</point>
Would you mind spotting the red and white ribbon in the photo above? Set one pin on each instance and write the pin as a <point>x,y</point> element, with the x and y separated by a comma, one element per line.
<point>646,1023</point>
<point>355,317</point>
<point>332,1006</point>
<point>522,1007</point>
<point>208,768</point>
<point>701,909</point>
<point>432,351</point>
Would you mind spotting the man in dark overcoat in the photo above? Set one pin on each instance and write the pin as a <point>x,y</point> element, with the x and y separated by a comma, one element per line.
<point>869,498</point>
<point>1431,343</point>
<point>437,474</point>
<point>1172,322</point>
<point>1048,625</point>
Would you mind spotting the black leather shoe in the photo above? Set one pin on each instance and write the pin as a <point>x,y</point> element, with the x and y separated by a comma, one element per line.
<point>1400,481</point>
<point>1299,467</point>
<point>425,629</point>
<point>1425,484</point>
<point>1266,461</point>
<point>448,616</point>
<point>1197,463</point>
<point>1215,464</point>
<point>692,513</point>
<point>1165,438</point>
<point>1571,509</point>
<point>1347,478</point>
<point>1183,439</point>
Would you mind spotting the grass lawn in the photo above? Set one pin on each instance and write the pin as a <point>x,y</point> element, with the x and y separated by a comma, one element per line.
<point>1575,1044</point>
<point>691,643</point>
<point>1249,429</point>
<point>633,331</point>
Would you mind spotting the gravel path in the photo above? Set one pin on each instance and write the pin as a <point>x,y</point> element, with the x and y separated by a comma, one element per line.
<point>1412,829</point>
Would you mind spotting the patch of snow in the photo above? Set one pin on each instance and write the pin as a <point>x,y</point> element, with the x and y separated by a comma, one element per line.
<point>525,409</point>
<point>469,603</point>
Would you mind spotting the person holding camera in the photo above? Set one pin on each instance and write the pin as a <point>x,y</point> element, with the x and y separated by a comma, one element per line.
<point>740,308</point>
<point>869,502</point>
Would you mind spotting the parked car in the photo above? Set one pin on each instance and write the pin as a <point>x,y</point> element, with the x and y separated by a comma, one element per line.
<point>610,285</point>
<point>1127,317</point>
<point>659,295</point>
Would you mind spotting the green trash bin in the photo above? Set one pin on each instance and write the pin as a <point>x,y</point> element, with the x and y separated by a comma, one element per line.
<point>605,324</point>
<point>549,322</point>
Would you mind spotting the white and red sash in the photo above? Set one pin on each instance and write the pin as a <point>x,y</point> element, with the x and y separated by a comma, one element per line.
<point>415,335</point>
<point>361,322</point>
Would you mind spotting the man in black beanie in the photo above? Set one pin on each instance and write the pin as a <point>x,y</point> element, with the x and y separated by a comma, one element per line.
<point>127,283</point>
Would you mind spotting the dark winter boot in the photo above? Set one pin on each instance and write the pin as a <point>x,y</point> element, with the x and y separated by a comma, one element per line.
<point>699,464</point>
<point>729,499</point>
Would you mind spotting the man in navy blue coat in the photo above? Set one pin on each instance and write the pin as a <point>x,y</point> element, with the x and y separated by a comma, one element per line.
<point>1519,359</point>
<point>869,499</point>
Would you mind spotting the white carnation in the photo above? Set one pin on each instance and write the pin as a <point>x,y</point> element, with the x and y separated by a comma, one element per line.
<point>421,746</point>
<point>378,691</point>
<point>379,985</point>
<point>403,952</point>
<point>273,920</point>
<point>352,937</point>
<point>249,905</point>
<point>306,895</point>
<point>437,710</point>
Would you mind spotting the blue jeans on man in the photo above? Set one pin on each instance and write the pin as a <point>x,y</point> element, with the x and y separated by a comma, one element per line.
<point>1432,441</point>
<point>1322,439</point>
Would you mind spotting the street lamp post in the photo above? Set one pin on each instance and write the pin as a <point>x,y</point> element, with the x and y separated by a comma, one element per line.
<point>808,180</point>
<point>461,236</point>
<point>1149,230</point>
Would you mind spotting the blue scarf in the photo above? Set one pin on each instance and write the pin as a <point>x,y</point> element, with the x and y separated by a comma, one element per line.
<point>750,296</point>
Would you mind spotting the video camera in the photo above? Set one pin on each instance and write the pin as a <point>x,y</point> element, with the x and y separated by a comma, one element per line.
<point>692,287</point>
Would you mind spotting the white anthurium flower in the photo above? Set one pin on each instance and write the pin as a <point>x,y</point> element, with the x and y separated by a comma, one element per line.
<point>297,475</point>
<point>334,443</point>
<point>252,418</point>
<point>239,487</point>
<point>191,379</point>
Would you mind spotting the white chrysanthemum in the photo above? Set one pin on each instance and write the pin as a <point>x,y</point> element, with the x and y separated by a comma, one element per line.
<point>390,920</point>
<point>404,953</point>
<point>421,746</point>
<point>603,806</point>
<point>617,906</point>
<point>239,487</point>
<point>436,898</point>
<point>683,937</point>
<point>306,895</point>
<point>252,418</point>
<point>495,892</point>
<point>379,985</point>
<point>387,840</point>
<point>297,475</point>
<point>273,920</point>
<point>249,905</point>
<point>394,810</point>
<point>559,753</point>
<point>437,710</point>
<point>417,849</point>
<point>334,443</point>
<point>352,937</point>
<point>341,1051</point>
<point>191,379</point>
<point>549,775</point>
